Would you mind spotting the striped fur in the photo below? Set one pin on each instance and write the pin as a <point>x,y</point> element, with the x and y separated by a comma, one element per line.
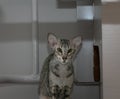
<point>57,75</point>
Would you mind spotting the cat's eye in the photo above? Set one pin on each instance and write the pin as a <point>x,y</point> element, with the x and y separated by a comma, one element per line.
<point>69,51</point>
<point>59,50</point>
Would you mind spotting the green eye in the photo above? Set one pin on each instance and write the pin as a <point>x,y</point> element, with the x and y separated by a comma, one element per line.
<point>69,51</point>
<point>59,50</point>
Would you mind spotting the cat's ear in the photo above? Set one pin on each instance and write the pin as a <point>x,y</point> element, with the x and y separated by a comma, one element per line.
<point>76,41</point>
<point>52,40</point>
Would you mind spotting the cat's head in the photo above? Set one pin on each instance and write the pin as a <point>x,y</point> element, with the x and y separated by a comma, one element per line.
<point>64,49</point>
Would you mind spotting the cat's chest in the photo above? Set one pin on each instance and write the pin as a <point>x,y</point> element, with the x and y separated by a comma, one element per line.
<point>60,74</point>
<point>61,70</point>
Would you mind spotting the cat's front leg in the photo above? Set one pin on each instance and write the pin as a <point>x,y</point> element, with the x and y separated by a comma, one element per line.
<point>66,92</point>
<point>55,92</point>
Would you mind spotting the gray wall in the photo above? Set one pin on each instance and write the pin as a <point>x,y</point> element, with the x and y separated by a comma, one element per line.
<point>16,47</point>
<point>16,44</point>
<point>111,50</point>
<point>15,37</point>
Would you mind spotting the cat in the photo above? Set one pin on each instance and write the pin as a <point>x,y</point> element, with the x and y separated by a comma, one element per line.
<point>57,75</point>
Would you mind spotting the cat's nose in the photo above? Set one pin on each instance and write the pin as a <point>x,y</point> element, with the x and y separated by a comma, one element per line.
<point>64,57</point>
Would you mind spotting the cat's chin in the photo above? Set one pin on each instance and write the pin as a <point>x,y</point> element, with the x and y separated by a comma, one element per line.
<point>64,62</point>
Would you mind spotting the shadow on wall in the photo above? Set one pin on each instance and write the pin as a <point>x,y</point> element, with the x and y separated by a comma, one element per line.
<point>13,32</point>
<point>110,14</point>
<point>67,30</point>
<point>61,4</point>
<point>1,15</point>
<point>23,31</point>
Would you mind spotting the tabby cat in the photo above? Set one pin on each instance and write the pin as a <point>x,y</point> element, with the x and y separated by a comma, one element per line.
<point>57,75</point>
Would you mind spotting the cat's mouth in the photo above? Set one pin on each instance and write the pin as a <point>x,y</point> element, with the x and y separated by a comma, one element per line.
<point>64,61</point>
